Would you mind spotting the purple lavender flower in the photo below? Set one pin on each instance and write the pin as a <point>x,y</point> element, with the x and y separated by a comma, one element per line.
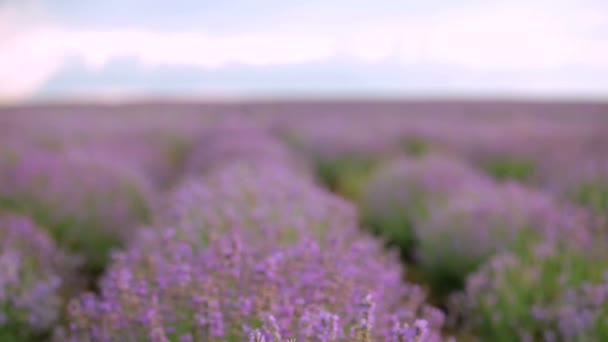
<point>585,184</point>
<point>88,204</point>
<point>548,291</point>
<point>404,193</point>
<point>271,201</point>
<point>281,286</point>
<point>479,222</point>
<point>34,277</point>
<point>404,181</point>
<point>239,142</point>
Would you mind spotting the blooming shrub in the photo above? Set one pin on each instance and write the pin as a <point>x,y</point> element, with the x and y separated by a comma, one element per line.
<point>238,142</point>
<point>402,194</point>
<point>479,222</point>
<point>229,289</point>
<point>89,205</point>
<point>547,292</point>
<point>34,276</point>
<point>269,200</point>
<point>588,186</point>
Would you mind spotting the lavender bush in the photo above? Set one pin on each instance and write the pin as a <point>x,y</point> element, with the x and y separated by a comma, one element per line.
<point>346,292</point>
<point>588,185</point>
<point>241,142</point>
<point>159,161</point>
<point>548,292</point>
<point>402,194</point>
<point>269,200</point>
<point>152,144</point>
<point>480,221</point>
<point>88,204</point>
<point>34,278</point>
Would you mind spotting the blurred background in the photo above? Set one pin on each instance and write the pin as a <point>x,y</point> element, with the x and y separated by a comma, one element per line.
<point>62,50</point>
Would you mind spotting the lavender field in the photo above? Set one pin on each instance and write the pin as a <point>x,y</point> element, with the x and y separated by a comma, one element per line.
<point>304,221</point>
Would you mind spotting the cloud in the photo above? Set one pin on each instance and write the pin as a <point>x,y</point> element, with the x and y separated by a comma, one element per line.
<point>31,58</point>
<point>21,69</point>
<point>518,36</point>
<point>24,67</point>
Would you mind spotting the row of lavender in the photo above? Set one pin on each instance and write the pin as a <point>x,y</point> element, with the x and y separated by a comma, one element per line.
<point>509,261</point>
<point>249,247</point>
<point>564,155</point>
<point>71,190</point>
<point>246,246</point>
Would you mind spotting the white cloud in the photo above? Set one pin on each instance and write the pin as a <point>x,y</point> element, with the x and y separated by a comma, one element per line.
<point>510,36</point>
<point>21,69</point>
<point>195,49</point>
<point>25,66</point>
<point>30,58</point>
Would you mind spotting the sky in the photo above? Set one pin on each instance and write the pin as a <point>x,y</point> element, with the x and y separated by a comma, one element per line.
<point>120,49</point>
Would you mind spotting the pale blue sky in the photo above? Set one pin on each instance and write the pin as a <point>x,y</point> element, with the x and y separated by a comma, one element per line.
<point>275,48</point>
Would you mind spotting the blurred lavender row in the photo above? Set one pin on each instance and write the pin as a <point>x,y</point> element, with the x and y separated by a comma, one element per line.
<point>253,249</point>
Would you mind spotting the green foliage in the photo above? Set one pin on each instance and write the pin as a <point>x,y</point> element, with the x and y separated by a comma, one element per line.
<point>446,272</point>
<point>14,331</point>
<point>446,260</point>
<point>504,168</point>
<point>593,195</point>
<point>396,228</point>
<point>346,175</point>
<point>415,146</point>
<point>351,182</point>
<point>176,152</point>
<point>396,224</point>
<point>82,235</point>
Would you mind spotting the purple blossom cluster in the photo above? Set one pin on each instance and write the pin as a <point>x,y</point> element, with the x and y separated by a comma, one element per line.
<point>270,201</point>
<point>326,137</point>
<point>151,144</point>
<point>157,161</point>
<point>586,184</point>
<point>88,203</point>
<point>402,194</point>
<point>412,184</point>
<point>231,290</point>
<point>34,279</point>
<point>451,218</point>
<point>239,141</point>
<point>481,221</point>
<point>543,292</point>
